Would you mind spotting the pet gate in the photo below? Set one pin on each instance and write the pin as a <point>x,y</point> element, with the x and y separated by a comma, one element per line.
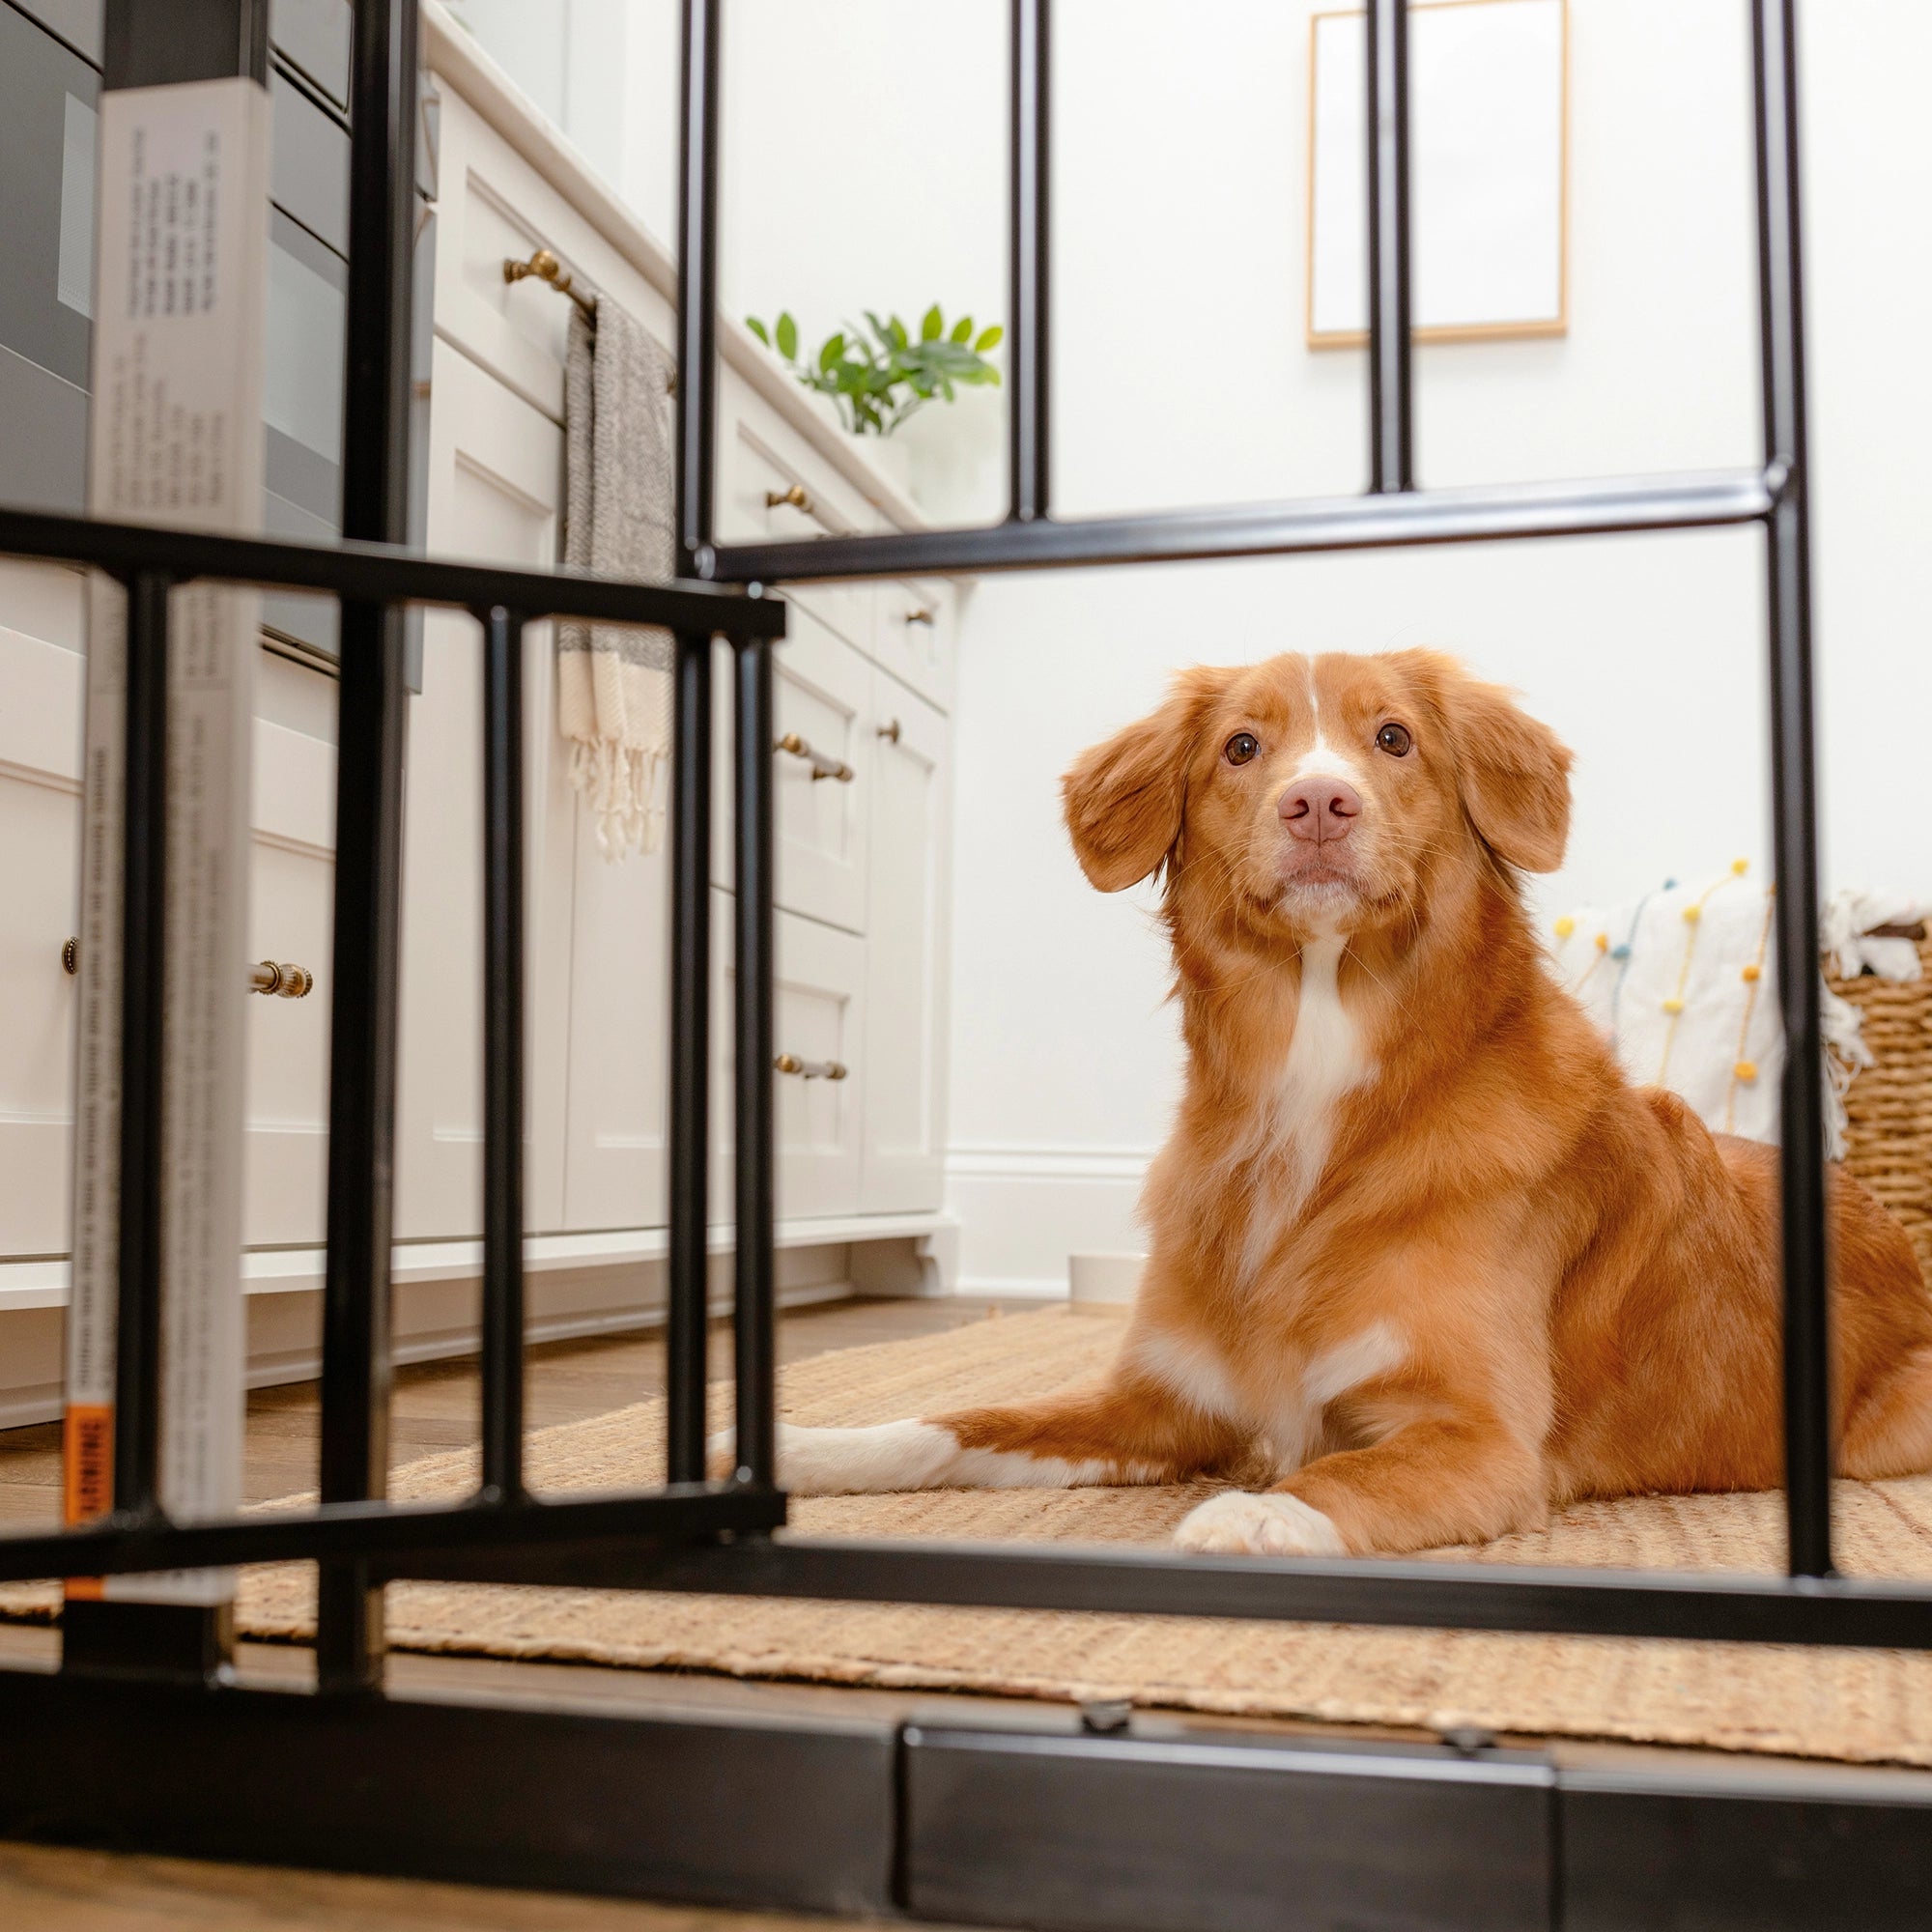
<point>143,1739</point>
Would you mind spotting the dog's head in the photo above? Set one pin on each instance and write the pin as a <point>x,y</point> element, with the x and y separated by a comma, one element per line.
<point>1326,793</point>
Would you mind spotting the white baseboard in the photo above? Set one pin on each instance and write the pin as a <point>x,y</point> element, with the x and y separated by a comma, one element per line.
<point>1023,1208</point>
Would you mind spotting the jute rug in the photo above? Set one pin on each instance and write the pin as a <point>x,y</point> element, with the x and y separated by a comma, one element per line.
<point>1861,1705</point>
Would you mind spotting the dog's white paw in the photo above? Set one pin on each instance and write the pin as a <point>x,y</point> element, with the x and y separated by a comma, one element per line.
<point>887,1457</point>
<point>1238,1523</point>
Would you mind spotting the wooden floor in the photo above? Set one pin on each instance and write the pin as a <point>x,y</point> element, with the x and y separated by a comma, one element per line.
<point>436,1403</point>
<point>52,1891</point>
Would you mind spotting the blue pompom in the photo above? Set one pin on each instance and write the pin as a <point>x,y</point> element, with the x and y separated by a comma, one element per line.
<point>1620,952</point>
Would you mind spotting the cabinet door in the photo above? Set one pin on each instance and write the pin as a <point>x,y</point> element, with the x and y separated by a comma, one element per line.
<point>821,694</point>
<point>620,1037</point>
<point>818,1018</point>
<point>495,483</point>
<point>915,640</point>
<point>43,674</point>
<point>908,953</point>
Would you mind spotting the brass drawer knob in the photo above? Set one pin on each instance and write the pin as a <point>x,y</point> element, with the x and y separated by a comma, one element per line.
<point>282,980</point>
<point>890,731</point>
<point>266,976</point>
<point>923,613</point>
<point>810,1069</point>
<point>822,767</point>
<point>797,498</point>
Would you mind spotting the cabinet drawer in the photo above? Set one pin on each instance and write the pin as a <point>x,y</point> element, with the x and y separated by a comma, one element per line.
<point>915,638</point>
<point>822,695</point>
<point>761,496</point>
<point>818,1019</point>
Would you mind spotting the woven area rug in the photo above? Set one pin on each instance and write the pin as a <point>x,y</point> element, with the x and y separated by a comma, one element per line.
<point>1861,1706</point>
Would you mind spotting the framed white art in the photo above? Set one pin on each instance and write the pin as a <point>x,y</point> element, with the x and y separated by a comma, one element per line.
<point>1489,172</point>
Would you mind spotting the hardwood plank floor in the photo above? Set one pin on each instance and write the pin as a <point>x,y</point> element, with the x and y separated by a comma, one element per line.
<point>49,1889</point>
<point>436,1404</point>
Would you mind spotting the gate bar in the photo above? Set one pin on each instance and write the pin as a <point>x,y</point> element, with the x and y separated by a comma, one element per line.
<point>502,1045</point>
<point>1028,421</point>
<point>1808,1351</point>
<point>754,1305</point>
<point>144,900</point>
<point>697,287</point>
<point>1391,455</point>
<point>688,1287</point>
<point>366,960</point>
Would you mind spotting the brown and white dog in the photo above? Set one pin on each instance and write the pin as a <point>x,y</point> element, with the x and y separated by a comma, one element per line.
<point>1414,1239</point>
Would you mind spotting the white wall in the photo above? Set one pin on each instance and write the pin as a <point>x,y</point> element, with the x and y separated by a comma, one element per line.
<point>864,167</point>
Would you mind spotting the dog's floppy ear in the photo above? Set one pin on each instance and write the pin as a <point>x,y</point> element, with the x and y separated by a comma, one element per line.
<point>1124,799</point>
<point>1513,771</point>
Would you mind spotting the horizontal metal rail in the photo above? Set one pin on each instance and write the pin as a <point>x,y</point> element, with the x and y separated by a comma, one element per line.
<point>668,1540</point>
<point>1699,500</point>
<point>400,1538</point>
<point>386,574</point>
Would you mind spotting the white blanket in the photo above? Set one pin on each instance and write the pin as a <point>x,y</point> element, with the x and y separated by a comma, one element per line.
<point>1684,984</point>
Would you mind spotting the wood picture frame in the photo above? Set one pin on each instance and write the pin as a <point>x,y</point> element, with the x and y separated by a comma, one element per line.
<point>1505,247</point>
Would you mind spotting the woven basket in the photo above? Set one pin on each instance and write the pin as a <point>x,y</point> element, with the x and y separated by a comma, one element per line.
<point>1888,1136</point>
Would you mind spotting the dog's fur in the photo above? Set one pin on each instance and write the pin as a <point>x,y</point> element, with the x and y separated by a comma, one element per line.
<point>1415,1240</point>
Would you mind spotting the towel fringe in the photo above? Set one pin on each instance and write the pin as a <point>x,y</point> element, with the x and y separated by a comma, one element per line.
<point>622,784</point>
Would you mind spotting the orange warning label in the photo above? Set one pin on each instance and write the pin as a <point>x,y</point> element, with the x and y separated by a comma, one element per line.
<point>87,1462</point>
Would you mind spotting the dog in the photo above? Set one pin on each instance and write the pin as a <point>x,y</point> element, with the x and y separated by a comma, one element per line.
<point>1418,1250</point>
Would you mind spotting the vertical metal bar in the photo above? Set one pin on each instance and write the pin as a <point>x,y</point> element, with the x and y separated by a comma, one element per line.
<point>689,1060</point>
<point>368,831</point>
<point>503,1054</point>
<point>1028,426</point>
<point>1391,454</point>
<point>697,288</point>
<point>1794,804</point>
<point>137,1340</point>
<point>754,1304</point>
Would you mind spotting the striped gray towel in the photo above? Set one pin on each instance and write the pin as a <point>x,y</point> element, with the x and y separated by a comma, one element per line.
<point>614,680</point>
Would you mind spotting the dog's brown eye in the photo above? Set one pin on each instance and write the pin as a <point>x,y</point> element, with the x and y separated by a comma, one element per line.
<point>1240,748</point>
<point>1394,739</point>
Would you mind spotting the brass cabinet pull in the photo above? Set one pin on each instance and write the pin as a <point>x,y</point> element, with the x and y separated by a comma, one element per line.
<point>266,976</point>
<point>890,731</point>
<point>822,767</point>
<point>810,1069</point>
<point>923,613</point>
<point>796,497</point>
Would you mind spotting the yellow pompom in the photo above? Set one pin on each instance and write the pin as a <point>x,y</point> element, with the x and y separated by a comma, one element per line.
<point>1753,971</point>
<point>1603,941</point>
<point>1693,914</point>
<point>1741,866</point>
<point>1746,1069</point>
<point>1674,1006</point>
<point>1565,927</point>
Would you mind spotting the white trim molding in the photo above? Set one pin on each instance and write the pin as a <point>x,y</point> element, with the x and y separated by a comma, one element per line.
<point>1023,1207</point>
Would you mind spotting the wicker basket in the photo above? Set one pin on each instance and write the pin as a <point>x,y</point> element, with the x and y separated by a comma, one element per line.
<point>1888,1138</point>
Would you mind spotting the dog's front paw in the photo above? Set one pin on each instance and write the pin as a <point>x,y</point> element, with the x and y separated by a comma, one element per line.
<point>1238,1523</point>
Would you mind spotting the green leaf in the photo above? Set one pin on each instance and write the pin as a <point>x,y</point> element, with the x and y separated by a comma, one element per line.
<point>989,339</point>
<point>835,347</point>
<point>787,337</point>
<point>962,330</point>
<point>933,327</point>
<point>757,328</point>
<point>900,337</point>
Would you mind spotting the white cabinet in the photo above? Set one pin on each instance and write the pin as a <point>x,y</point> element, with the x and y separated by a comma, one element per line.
<point>902,1054</point>
<point>496,478</point>
<point>43,677</point>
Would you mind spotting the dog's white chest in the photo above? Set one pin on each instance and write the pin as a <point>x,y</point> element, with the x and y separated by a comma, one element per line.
<point>1325,1063</point>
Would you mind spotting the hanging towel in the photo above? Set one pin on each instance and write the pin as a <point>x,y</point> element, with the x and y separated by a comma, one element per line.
<point>614,680</point>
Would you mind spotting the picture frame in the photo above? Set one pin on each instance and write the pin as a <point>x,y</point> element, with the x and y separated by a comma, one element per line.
<point>1490,172</point>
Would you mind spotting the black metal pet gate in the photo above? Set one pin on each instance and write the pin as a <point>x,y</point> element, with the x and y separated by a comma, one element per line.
<point>144,1739</point>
